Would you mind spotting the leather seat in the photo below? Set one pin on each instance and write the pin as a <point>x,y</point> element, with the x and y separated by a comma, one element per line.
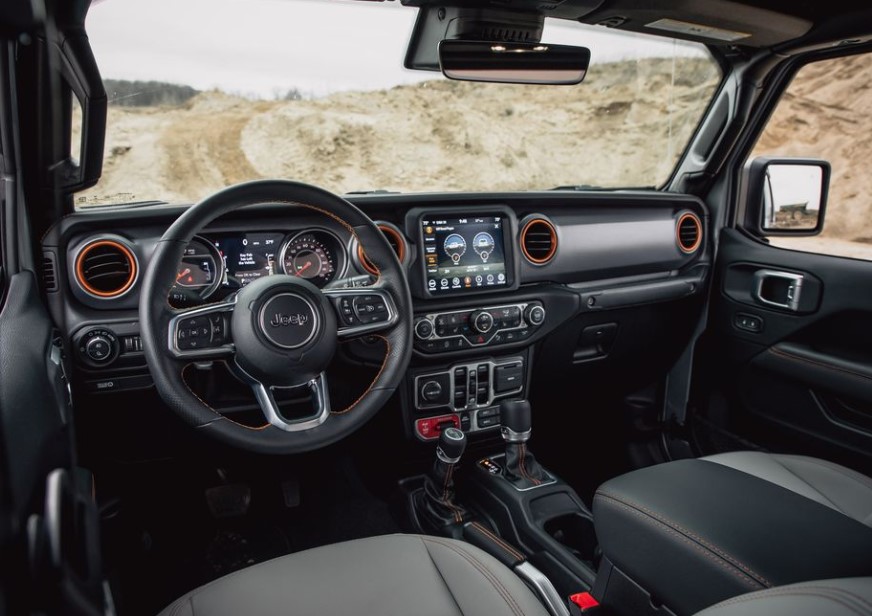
<point>824,482</point>
<point>695,532</point>
<point>389,575</point>
<point>843,597</point>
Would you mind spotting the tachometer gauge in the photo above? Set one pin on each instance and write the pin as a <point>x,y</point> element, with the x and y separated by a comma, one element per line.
<point>310,255</point>
<point>198,273</point>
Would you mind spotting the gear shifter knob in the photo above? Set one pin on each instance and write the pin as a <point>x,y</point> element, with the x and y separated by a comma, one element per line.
<point>452,444</point>
<point>516,418</point>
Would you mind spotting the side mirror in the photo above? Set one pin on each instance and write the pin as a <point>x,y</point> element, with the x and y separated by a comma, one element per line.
<point>787,196</point>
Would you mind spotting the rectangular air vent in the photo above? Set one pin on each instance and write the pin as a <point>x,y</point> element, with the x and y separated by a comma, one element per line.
<point>49,272</point>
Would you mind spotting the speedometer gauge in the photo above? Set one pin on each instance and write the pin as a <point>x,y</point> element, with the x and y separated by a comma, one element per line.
<point>310,256</point>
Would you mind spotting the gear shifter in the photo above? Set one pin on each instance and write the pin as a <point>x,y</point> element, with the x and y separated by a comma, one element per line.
<point>435,503</point>
<point>522,469</point>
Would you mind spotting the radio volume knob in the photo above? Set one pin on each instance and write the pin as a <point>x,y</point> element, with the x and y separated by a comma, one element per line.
<point>481,321</point>
<point>534,315</point>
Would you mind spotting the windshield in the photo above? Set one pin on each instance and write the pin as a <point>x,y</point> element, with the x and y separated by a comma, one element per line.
<point>207,93</point>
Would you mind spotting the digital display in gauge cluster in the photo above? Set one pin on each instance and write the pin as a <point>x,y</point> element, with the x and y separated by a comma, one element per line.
<point>249,256</point>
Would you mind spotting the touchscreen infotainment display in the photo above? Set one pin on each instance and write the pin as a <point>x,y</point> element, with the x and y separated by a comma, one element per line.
<point>463,253</point>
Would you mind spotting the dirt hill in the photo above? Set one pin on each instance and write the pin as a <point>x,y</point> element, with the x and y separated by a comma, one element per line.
<point>446,135</point>
<point>827,113</point>
<point>436,135</point>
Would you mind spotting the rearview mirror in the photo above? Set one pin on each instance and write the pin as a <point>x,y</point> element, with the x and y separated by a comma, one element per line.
<point>532,63</point>
<point>787,196</point>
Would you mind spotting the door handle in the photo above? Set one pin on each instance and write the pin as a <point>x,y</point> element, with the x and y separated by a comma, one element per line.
<point>778,289</point>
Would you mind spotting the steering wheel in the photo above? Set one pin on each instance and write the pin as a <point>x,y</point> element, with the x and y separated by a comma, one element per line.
<point>278,331</point>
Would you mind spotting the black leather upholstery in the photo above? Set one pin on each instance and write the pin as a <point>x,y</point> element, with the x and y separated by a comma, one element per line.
<point>382,576</point>
<point>826,483</point>
<point>694,532</point>
<point>846,597</point>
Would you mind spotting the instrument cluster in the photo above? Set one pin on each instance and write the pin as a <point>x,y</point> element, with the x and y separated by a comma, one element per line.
<point>230,261</point>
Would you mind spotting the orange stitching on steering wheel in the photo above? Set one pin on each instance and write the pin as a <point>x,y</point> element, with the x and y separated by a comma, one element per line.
<point>374,381</point>
<point>219,414</point>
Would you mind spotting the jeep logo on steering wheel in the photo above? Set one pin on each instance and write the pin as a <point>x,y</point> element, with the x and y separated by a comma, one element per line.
<point>288,320</point>
<point>283,320</point>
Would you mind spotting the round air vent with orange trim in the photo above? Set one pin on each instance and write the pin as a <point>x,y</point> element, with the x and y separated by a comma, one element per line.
<point>538,240</point>
<point>106,268</point>
<point>394,238</point>
<point>688,232</point>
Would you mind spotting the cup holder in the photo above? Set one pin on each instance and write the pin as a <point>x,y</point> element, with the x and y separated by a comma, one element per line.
<point>575,531</point>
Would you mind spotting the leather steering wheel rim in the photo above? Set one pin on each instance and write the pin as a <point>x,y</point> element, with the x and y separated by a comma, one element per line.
<point>157,318</point>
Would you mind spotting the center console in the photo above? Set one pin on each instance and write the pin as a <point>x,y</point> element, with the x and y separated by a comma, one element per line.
<point>465,395</point>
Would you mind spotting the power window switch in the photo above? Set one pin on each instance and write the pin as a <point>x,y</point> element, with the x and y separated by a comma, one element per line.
<point>748,322</point>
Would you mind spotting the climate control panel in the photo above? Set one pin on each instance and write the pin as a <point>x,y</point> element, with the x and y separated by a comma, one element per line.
<point>478,327</point>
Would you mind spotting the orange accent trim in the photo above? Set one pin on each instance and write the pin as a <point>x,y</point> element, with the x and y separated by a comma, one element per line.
<point>401,243</point>
<point>80,274</point>
<point>698,224</point>
<point>553,231</point>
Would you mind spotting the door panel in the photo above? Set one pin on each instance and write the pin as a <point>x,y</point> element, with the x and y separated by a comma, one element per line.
<point>796,377</point>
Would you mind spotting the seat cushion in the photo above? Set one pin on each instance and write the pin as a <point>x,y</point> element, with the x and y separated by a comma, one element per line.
<point>824,482</point>
<point>695,532</point>
<point>394,574</point>
<point>843,597</point>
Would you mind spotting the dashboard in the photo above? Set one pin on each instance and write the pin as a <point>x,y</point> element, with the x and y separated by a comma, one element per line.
<point>508,289</point>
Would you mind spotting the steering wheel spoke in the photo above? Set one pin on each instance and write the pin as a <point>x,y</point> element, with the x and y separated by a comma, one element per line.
<point>202,333</point>
<point>362,311</point>
<point>320,402</point>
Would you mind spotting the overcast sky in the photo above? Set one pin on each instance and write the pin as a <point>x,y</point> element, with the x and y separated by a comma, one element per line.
<point>263,47</point>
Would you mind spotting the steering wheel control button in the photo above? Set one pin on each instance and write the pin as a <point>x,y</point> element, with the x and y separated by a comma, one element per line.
<point>219,329</point>
<point>194,333</point>
<point>345,309</point>
<point>288,320</point>
<point>370,309</point>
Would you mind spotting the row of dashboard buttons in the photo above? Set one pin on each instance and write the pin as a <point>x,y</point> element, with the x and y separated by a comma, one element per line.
<point>456,331</point>
<point>460,343</point>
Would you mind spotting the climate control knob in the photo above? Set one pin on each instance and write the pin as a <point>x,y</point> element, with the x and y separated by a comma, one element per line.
<point>481,321</point>
<point>423,329</point>
<point>534,315</point>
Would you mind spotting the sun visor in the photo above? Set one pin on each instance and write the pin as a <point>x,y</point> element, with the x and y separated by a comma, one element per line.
<point>714,22</point>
